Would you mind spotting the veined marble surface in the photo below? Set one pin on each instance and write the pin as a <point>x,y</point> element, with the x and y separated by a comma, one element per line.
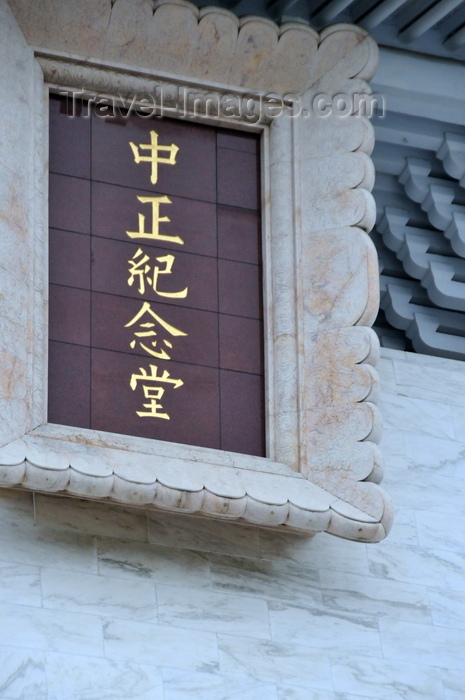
<point>98,602</point>
<point>182,685</point>
<point>102,602</point>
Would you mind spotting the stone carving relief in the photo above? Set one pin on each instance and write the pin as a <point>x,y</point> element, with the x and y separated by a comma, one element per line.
<point>321,280</point>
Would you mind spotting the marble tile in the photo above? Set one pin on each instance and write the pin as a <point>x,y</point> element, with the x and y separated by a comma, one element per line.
<point>444,384</point>
<point>433,646</point>
<point>448,608</point>
<point>323,550</point>
<point>384,680</point>
<point>394,479</point>
<point>293,693</point>
<point>91,517</point>
<point>387,377</point>
<point>285,664</point>
<point>131,560</point>
<point>393,447</point>
<point>417,358</point>
<point>20,583</point>
<point>454,683</point>
<point>459,472</point>
<point>459,426</point>
<point>76,678</point>
<point>22,675</point>
<point>349,696</point>
<point>99,595</point>
<point>16,506</point>
<point>441,531</point>
<point>393,354</point>
<point>440,569</point>
<point>374,596</point>
<point>36,628</point>
<point>419,416</point>
<point>203,534</point>
<point>324,628</point>
<point>283,581</point>
<point>24,543</point>
<point>181,685</point>
<point>413,488</point>
<point>434,455</point>
<point>194,608</point>
<point>160,644</point>
<point>404,529</point>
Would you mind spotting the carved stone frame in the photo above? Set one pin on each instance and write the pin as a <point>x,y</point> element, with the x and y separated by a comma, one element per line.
<point>320,271</point>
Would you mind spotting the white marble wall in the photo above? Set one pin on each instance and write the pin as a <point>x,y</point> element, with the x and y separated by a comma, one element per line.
<point>101,602</point>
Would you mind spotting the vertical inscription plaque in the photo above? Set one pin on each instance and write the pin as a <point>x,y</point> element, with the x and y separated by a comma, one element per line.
<point>155,321</point>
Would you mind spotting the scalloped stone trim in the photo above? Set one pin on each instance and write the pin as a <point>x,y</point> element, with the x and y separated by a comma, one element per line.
<point>210,45</point>
<point>267,499</point>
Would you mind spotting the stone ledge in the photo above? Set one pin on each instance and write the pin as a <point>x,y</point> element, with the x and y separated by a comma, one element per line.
<point>54,465</point>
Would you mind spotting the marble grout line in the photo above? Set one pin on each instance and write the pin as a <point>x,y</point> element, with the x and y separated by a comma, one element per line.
<point>71,654</point>
<point>234,634</point>
<point>445,593</point>
<point>113,585</point>
<point>41,568</point>
<point>401,384</point>
<point>147,534</point>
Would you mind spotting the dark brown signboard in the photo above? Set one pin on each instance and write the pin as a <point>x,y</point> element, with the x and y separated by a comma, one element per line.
<point>155,280</point>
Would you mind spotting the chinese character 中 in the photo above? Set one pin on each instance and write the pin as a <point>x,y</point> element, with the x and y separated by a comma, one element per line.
<point>154,158</point>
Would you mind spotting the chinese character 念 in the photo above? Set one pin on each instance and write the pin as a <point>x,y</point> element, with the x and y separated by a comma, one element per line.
<point>150,332</point>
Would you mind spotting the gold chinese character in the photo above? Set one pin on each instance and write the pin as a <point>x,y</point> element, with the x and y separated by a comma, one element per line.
<point>154,234</point>
<point>154,158</point>
<point>150,332</point>
<point>153,377</point>
<point>169,260</point>
<point>140,269</point>
<point>153,393</point>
